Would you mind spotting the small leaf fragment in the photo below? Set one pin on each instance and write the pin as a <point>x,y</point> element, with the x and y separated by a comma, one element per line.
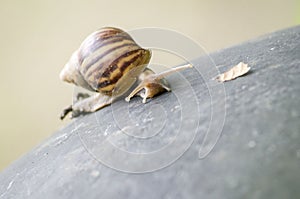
<point>234,72</point>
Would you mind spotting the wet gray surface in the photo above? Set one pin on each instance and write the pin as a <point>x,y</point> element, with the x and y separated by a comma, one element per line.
<point>257,155</point>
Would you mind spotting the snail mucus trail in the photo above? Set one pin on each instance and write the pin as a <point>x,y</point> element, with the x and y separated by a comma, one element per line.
<point>108,62</point>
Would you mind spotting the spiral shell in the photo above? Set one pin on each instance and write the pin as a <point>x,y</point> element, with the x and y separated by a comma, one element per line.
<point>103,59</point>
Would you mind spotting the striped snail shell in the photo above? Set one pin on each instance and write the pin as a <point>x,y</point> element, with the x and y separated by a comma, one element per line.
<point>103,59</point>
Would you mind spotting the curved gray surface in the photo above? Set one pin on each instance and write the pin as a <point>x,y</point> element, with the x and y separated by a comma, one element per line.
<point>257,155</point>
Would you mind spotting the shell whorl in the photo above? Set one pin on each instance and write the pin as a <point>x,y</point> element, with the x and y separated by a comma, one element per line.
<point>106,56</point>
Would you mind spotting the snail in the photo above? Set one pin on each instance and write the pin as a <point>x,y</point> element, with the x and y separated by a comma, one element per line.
<point>109,62</point>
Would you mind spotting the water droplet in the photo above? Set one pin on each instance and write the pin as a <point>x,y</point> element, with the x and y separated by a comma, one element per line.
<point>175,108</point>
<point>95,173</point>
<point>107,130</point>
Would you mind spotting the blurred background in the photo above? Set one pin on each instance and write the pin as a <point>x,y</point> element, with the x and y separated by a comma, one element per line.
<point>38,37</point>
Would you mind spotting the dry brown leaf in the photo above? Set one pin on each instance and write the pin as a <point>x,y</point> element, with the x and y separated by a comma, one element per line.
<point>234,72</point>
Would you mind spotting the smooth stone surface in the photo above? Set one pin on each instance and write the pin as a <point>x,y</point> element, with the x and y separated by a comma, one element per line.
<point>257,155</point>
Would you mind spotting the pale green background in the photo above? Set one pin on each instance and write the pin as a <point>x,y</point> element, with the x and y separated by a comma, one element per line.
<point>38,36</point>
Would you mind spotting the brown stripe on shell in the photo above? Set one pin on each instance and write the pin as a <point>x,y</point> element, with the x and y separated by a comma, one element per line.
<point>107,90</point>
<point>103,84</point>
<point>107,72</point>
<point>135,55</point>
<point>106,53</point>
<point>124,64</point>
<point>116,64</point>
<point>95,42</point>
<point>100,67</point>
<point>94,38</point>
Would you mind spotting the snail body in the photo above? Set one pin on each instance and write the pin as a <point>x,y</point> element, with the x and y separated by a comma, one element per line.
<point>108,62</point>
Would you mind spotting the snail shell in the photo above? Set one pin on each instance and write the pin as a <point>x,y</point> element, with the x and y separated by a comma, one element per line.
<point>104,59</point>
